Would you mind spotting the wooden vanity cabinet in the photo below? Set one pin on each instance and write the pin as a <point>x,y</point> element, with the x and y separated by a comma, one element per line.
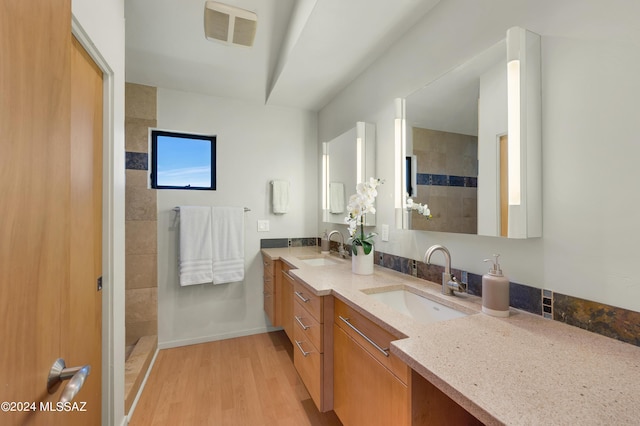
<point>311,343</point>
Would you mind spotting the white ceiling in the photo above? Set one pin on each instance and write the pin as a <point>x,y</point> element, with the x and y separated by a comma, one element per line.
<point>305,51</point>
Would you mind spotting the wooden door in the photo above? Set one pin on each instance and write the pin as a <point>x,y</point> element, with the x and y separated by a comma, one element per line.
<point>39,308</point>
<point>82,337</point>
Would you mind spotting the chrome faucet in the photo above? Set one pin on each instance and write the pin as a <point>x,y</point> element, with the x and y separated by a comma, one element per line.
<point>449,281</point>
<point>341,251</point>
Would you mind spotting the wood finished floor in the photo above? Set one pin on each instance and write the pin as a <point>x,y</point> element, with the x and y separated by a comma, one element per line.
<point>243,381</point>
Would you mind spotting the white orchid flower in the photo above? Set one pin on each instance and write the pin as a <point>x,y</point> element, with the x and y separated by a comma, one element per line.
<point>360,204</point>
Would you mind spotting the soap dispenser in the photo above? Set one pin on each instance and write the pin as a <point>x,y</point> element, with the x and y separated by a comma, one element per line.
<point>495,291</point>
<point>325,247</point>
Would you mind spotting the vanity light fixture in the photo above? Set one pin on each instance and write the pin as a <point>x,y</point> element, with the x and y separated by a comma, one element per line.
<point>514,111</point>
<point>359,174</point>
<point>524,157</point>
<point>400,155</point>
<point>360,152</point>
<point>229,24</point>
<point>325,177</point>
<point>513,126</point>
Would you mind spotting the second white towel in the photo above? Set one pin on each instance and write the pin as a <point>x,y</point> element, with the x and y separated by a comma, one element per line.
<point>228,244</point>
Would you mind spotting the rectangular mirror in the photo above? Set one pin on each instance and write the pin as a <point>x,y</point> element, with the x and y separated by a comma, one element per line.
<point>470,145</point>
<point>346,161</point>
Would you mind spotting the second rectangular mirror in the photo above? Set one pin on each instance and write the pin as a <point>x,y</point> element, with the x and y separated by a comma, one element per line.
<point>472,145</point>
<point>346,161</point>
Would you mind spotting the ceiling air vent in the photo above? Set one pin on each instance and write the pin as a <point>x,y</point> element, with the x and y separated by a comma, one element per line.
<point>229,24</point>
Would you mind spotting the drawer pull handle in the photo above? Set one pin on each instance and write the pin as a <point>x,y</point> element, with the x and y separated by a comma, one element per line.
<point>287,275</point>
<point>299,344</point>
<point>374,344</point>
<point>304,327</point>
<point>304,299</point>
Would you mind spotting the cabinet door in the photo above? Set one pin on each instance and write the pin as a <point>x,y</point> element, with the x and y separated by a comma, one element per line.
<point>269,299</point>
<point>286,305</point>
<point>365,392</point>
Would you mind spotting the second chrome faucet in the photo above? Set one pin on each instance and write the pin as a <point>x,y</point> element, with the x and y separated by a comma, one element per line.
<point>450,283</point>
<point>341,251</point>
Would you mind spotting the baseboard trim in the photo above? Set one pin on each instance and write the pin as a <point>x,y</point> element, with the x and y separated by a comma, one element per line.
<point>212,338</point>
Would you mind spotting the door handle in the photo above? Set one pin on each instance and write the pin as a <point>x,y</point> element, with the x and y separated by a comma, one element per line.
<point>76,376</point>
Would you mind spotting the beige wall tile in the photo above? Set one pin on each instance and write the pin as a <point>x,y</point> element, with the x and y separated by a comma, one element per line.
<point>140,204</point>
<point>140,101</point>
<point>141,271</point>
<point>135,330</point>
<point>445,153</point>
<point>141,237</point>
<point>141,305</point>
<point>137,178</point>
<point>136,134</point>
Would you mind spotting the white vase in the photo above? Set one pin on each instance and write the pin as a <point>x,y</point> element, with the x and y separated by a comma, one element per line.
<point>362,264</point>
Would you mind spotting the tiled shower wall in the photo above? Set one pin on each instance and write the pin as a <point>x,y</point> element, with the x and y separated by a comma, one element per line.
<point>446,181</point>
<point>141,295</point>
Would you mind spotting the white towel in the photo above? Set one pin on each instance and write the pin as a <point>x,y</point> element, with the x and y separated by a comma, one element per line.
<point>280,196</point>
<point>228,244</point>
<point>196,251</point>
<point>336,200</point>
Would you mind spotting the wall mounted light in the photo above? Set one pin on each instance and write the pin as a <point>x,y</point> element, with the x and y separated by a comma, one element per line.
<point>325,177</point>
<point>524,111</point>
<point>359,160</point>
<point>400,164</point>
<point>513,126</point>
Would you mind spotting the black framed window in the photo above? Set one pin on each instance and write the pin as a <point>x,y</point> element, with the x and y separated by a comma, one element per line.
<point>182,161</point>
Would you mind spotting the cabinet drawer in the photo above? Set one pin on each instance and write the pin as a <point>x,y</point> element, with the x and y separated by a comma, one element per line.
<point>364,391</point>
<point>308,362</point>
<point>311,302</point>
<point>309,326</point>
<point>377,335</point>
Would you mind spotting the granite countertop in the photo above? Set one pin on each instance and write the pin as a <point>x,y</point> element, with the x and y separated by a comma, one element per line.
<point>521,370</point>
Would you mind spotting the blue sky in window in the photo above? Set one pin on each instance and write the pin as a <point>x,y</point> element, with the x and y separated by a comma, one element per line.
<point>183,162</point>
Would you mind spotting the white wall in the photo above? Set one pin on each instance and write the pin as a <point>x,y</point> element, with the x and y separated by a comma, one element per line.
<point>255,145</point>
<point>591,63</point>
<point>100,26</point>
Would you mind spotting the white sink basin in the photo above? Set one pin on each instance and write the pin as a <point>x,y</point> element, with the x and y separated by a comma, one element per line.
<point>420,308</point>
<point>319,261</point>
